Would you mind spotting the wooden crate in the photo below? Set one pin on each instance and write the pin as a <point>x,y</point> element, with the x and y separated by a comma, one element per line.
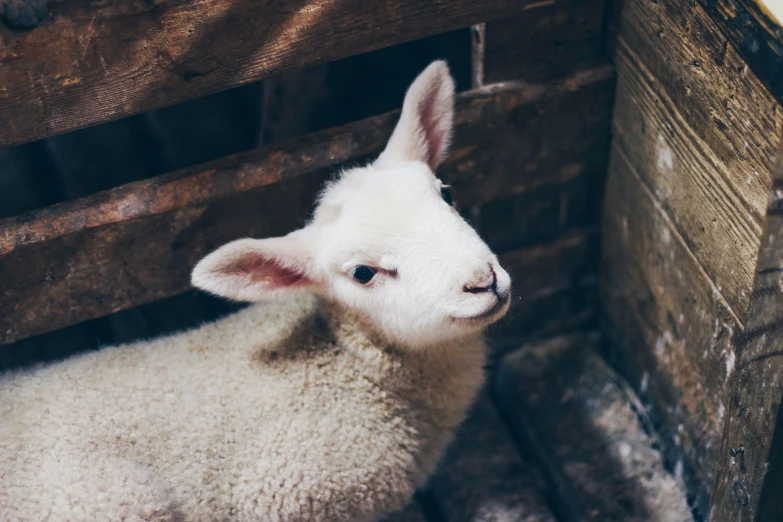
<point>621,157</point>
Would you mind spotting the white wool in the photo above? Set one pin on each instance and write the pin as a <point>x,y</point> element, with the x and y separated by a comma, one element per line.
<point>332,402</point>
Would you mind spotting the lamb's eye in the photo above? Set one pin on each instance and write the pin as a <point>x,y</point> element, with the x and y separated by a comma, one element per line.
<point>445,193</point>
<point>364,274</point>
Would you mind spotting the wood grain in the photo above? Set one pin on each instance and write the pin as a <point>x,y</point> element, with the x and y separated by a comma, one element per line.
<point>756,391</point>
<point>555,36</point>
<point>672,332</point>
<point>483,477</point>
<point>708,82</point>
<point>136,244</point>
<point>701,135</point>
<point>757,35</point>
<point>98,61</point>
<point>539,215</point>
<point>565,404</point>
<point>696,134</point>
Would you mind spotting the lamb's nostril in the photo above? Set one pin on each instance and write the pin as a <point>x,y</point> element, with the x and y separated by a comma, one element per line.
<point>486,284</point>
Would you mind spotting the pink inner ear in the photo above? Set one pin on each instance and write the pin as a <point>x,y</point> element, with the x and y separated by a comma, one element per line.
<point>266,271</point>
<point>433,134</point>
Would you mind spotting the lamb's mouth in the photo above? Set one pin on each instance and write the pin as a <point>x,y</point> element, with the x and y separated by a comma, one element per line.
<point>499,308</point>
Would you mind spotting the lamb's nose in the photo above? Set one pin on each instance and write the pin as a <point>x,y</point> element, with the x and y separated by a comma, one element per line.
<point>486,284</point>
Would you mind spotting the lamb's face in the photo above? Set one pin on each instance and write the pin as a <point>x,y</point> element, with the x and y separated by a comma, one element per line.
<point>384,240</point>
<point>389,244</point>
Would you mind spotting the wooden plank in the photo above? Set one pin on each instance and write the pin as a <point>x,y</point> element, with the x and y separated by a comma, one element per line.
<point>557,36</point>
<point>164,317</point>
<point>358,87</point>
<point>672,331</point>
<point>483,478</point>
<point>701,131</point>
<point>541,214</point>
<point>753,29</point>
<point>554,288</point>
<point>562,401</point>
<point>137,243</point>
<point>707,81</point>
<point>756,391</point>
<point>570,125</point>
<point>111,59</point>
<point>547,268</point>
<point>554,37</point>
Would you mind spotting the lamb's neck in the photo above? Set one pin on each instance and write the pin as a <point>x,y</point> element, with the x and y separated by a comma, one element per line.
<point>447,375</point>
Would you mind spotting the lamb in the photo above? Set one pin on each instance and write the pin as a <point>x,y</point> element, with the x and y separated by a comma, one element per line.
<point>331,397</point>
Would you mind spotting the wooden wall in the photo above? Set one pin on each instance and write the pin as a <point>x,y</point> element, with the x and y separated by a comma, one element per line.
<point>551,229</point>
<point>81,270</point>
<point>695,134</point>
<point>73,169</point>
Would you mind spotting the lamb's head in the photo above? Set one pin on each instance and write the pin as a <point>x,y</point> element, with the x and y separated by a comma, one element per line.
<point>385,240</point>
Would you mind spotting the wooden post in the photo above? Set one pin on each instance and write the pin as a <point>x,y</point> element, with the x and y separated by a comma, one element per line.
<point>757,387</point>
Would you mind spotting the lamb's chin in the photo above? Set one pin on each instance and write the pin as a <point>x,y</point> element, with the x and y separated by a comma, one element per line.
<point>489,316</point>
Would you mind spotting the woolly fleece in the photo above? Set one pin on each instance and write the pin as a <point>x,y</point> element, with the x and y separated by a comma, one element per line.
<point>284,411</point>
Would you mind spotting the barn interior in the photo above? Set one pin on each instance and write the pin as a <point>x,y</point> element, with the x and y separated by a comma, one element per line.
<point>621,157</point>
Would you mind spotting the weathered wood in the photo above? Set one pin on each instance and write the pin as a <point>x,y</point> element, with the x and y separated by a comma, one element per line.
<point>547,268</point>
<point>308,100</point>
<point>564,402</point>
<point>671,328</point>
<point>753,29</point>
<point>110,59</point>
<point>483,477</point>
<point>137,243</point>
<point>756,391</point>
<point>555,36</point>
<point>164,317</point>
<point>701,131</point>
<point>554,287</point>
<point>563,311</point>
<point>541,214</point>
<point>708,84</point>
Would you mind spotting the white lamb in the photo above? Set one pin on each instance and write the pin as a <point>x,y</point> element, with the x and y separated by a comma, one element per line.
<point>333,402</point>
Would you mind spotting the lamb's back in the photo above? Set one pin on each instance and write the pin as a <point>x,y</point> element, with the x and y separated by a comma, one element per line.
<point>222,416</point>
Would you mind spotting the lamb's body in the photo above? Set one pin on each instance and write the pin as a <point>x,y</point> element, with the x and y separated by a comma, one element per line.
<point>306,409</point>
<point>278,412</point>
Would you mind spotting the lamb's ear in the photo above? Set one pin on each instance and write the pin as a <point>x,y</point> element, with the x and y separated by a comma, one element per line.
<point>256,269</point>
<point>424,130</point>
